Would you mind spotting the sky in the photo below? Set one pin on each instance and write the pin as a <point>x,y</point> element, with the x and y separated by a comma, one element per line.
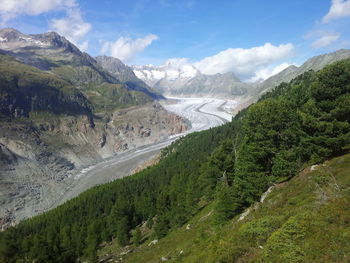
<point>252,38</point>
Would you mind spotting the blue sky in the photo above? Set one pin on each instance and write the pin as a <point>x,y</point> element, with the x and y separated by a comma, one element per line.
<point>153,31</point>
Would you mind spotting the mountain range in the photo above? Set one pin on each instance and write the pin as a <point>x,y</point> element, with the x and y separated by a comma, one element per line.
<point>52,52</point>
<point>186,80</point>
<point>171,79</point>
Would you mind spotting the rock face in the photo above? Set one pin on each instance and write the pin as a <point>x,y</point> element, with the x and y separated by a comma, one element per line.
<point>40,156</point>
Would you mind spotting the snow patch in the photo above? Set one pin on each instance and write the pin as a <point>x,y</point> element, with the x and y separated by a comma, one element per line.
<point>158,74</point>
<point>139,74</point>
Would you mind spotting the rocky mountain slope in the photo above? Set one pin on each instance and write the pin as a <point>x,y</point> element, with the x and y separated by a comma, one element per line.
<point>61,111</point>
<point>40,155</point>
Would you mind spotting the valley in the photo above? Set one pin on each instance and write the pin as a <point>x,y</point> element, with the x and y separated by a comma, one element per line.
<point>207,151</point>
<point>201,114</point>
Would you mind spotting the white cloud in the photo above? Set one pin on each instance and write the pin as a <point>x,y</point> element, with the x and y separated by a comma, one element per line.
<point>10,9</point>
<point>339,8</point>
<point>126,48</point>
<point>73,27</point>
<point>265,73</point>
<point>176,63</point>
<point>244,62</point>
<point>83,46</point>
<point>325,40</point>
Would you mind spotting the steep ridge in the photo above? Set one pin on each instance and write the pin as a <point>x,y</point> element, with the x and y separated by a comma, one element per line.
<point>50,51</point>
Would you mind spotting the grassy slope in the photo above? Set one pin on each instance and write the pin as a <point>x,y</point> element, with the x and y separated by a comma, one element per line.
<point>104,96</point>
<point>304,220</point>
<point>11,70</point>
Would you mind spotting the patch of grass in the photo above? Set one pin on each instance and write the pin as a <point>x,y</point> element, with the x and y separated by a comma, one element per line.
<point>108,97</point>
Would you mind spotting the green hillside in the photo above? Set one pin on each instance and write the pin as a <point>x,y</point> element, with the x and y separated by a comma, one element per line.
<point>213,176</point>
<point>25,89</point>
<point>303,220</point>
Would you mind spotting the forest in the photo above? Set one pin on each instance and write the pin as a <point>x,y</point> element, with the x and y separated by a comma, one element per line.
<point>299,123</point>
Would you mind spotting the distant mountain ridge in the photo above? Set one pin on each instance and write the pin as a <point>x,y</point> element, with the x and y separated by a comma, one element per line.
<point>186,80</point>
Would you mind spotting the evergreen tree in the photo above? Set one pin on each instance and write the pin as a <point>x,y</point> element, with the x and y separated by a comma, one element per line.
<point>137,237</point>
<point>161,227</point>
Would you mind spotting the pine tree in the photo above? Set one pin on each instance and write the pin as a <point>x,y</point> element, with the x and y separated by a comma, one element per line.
<point>137,236</point>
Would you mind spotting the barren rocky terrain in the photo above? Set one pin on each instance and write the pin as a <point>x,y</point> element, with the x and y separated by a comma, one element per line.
<point>40,157</point>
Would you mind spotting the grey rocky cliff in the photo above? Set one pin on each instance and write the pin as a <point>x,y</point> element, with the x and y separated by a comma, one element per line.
<point>39,157</point>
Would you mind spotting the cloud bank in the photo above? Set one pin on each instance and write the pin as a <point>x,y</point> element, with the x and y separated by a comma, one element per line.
<point>10,9</point>
<point>339,9</point>
<point>73,27</point>
<point>125,48</point>
<point>325,40</point>
<point>245,62</point>
<point>267,72</point>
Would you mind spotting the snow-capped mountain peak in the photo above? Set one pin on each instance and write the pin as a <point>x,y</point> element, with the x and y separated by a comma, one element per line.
<point>170,71</point>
